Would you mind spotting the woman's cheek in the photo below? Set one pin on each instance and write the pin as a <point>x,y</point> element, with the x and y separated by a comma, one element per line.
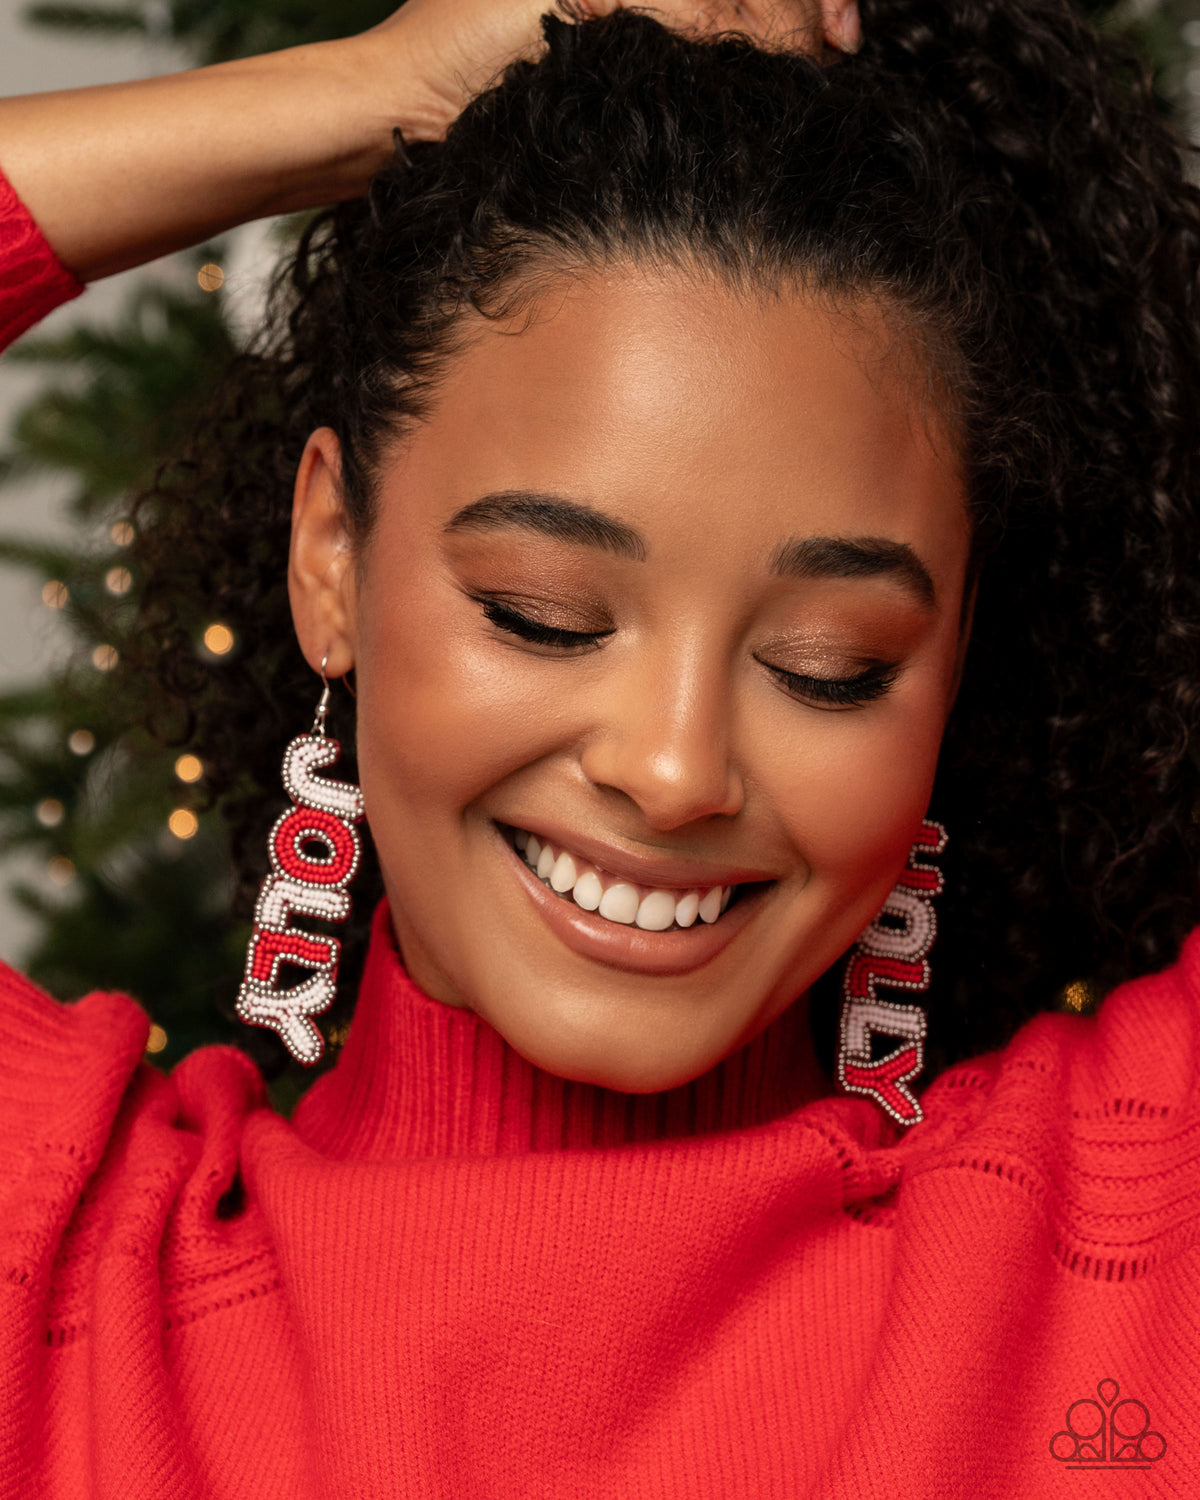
<point>855,788</point>
<point>445,712</point>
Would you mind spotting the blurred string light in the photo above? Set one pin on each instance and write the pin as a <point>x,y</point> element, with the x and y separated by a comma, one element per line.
<point>210,277</point>
<point>61,870</point>
<point>183,823</point>
<point>122,533</point>
<point>118,580</point>
<point>157,1039</point>
<point>105,658</point>
<point>55,594</point>
<point>218,639</point>
<point>189,768</point>
<point>49,812</point>
<point>1078,996</point>
<point>81,742</point>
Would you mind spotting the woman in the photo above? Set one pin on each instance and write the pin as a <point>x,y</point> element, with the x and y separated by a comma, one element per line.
<point>720,468</point>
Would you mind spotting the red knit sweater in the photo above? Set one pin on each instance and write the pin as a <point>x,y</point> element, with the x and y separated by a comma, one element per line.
<point>453,1275</point>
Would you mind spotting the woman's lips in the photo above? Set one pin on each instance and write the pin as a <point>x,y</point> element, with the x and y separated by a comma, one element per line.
<point>620,946</point>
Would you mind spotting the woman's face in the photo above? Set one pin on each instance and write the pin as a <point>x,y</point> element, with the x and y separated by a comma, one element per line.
<point>671,581</point>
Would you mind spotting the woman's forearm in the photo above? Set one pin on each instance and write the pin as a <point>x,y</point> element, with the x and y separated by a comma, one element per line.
<point>119,174</point>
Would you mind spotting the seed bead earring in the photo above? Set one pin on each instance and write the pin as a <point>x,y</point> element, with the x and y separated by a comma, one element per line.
<point>892,951</point>
<point>304,882</point>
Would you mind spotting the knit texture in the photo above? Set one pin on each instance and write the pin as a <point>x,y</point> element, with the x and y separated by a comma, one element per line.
<point>33,281</point>
<point>452,1275</point>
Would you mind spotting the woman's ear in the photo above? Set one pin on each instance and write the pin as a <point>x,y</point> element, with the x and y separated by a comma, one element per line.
<point>321,574</point>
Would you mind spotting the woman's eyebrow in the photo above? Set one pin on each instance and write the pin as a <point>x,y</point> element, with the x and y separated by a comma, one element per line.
<point>552,515</point>
<point>567,520</point>
<point>855,557</point>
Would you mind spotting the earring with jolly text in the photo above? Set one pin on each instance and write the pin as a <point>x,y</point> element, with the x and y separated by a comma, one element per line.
<point>892,952</point>
<point>315,852</point>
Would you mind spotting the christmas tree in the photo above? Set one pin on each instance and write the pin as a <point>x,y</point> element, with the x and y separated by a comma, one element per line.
<point>119,818</point>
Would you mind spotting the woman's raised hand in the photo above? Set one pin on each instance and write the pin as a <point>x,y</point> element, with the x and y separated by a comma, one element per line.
<point>120,174</point>
<point>456,47</point>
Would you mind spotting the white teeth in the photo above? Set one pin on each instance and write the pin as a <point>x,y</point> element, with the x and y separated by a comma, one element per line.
<point>686,908</point>
<point>588,891</point>
<point>656,912</point>
<point>619,903</point>
<point>710,907</point>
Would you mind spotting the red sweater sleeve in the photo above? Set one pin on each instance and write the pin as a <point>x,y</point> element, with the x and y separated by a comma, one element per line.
<point>33,281</point>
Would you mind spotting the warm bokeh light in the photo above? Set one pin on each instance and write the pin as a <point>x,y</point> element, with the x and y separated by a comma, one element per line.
<point>105,658</point>
<point>210,277</point>
<point>189,768</point>
<point>61,870</point>
<point>218,639</point>
<point>81,742</point>
<point>118,580</point>
<point>122,533</point>
<point>49,812</point>
<point>157,1039</point>
<point>183,823</point>
<point>55,594</point>
<point>1077,996</point>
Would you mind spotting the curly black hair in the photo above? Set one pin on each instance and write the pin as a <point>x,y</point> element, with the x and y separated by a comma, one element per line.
<point>996,173</point>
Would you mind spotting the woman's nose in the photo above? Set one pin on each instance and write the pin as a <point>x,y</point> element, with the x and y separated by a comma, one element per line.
<point>664,739</point>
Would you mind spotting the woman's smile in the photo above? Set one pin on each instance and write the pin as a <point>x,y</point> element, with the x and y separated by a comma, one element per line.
<point>629,927</point>
<point>611,918</point>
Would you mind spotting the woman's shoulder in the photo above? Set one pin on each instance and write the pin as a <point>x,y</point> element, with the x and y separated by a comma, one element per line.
<point>98,1146</point>
<point>70,1072</point>
<point>64,1068</point>
<point>1137,1055</point>
<point>1096,1118</point>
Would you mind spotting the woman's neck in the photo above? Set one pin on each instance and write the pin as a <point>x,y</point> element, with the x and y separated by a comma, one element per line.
<point>418,1078</point>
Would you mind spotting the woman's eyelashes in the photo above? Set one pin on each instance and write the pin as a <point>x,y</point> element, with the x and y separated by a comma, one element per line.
<point>504,617</point>
<point>825,692</point>
<point>839,692</point>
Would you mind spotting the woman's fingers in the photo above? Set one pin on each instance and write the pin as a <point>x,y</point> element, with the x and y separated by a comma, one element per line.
<point>454,48</point>
<point>803,24</point>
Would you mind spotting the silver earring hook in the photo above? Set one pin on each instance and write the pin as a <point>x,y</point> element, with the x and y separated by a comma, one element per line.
<point>323,706</point>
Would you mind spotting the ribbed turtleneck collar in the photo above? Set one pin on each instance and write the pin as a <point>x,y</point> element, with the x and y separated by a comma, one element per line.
<point>417,1078</point>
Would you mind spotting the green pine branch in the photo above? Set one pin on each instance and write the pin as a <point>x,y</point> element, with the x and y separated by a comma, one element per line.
<point>118,398</point>
<point>94,20</point>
